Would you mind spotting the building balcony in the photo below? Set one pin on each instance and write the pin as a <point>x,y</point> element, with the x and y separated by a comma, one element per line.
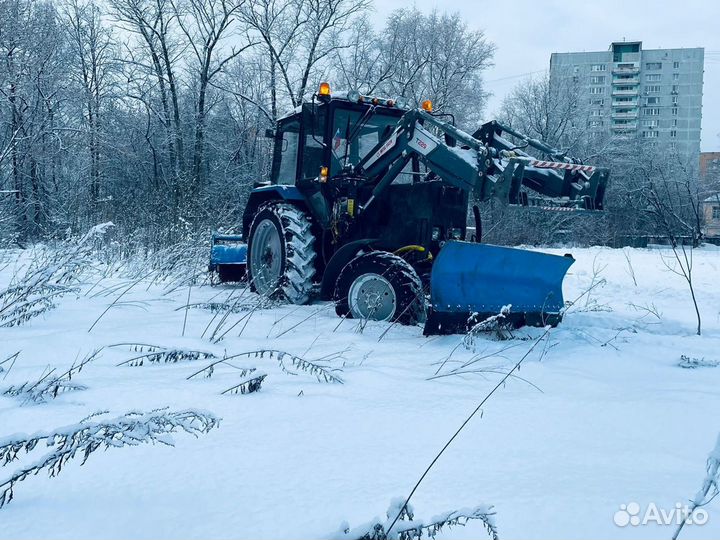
<point>625,68</point>
<point>624,115</point>
<point>630,92</point>
<point>630,81</point>
<point>625,104</point>
<point>618,128</point>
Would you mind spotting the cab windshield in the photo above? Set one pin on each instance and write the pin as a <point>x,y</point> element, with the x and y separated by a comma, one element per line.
<point>367,136</point>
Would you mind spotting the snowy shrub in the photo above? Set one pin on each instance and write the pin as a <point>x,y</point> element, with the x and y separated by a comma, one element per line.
<point>402,525</point>
<point>230,307</point>
<point>209,370</point>
<point>694,363</point>
<point>245,304</point>
<point>251,380</point>
<point>167,356</point>
<point>52,272</point>
<point>49,385</point>
<point>497,326</point>
<point>292,364</point>
<point>248,385</point>
<point>82,439</point>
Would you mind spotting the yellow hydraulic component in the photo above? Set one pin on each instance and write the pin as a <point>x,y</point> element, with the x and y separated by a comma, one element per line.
<point>351,206</point>
<point>412,247</point>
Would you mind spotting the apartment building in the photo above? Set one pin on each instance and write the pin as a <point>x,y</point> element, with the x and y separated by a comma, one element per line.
<point>628,91</point>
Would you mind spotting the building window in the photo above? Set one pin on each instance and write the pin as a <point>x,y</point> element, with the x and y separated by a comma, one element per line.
<point>597,79</point>
<point>650,134</point>
<point>676,65</point>
<point>674,100</point>
<point>652,89</point>
<point>674,111</point>
<point>653,101</point>
<point>655,77</point>
<point>596,123</point>
<point>597,67</point>
<point>596,112</point>
<point>673,133</point>
<point>676,76</point>
<point>674,89</point>
<point>597,90</point>
<point>650,123</point>
<point>716,212</point>
<point>597,101</point>
<point>674,122</point>
<point>653,65</point>
<point>653,111</point>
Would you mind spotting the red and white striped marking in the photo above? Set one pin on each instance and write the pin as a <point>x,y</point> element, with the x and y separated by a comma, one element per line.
<point>557,165</point>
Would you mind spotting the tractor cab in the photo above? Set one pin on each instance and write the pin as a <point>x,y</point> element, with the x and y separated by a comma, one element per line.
<point>316,135</point>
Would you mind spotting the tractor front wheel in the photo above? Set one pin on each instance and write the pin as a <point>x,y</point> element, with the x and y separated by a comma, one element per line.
<point>380,286</point>
<point>281,253</point>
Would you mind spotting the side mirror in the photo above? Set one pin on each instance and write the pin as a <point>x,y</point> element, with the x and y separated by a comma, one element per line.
<point>269,133</point>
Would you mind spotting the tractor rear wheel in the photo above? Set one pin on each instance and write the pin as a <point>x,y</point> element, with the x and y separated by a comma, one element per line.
<point>281,253</point>
<point>380,286</point>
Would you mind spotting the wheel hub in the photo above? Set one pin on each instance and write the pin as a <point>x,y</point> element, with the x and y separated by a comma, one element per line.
<point>371,296</point>
<point>266,257</point>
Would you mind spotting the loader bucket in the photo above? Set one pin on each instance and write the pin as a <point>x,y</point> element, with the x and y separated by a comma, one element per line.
<point>475,281</point>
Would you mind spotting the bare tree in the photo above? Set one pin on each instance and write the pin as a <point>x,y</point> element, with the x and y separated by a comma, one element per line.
<point>548,110</point>
<point>31,77</point>
<point>674,204</point>
<point>207,24</point>
<point>418,57</point>
<point>299,36</point>
<point>154,21</point>
<point>92,50</point>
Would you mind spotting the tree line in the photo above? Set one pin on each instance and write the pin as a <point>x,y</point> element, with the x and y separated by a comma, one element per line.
<point>151,113</point>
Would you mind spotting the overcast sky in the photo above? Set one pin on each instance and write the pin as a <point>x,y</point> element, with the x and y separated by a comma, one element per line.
<point>526,32</point>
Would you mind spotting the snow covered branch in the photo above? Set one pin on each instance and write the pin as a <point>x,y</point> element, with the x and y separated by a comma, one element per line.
<point>292,364</point>
<point>82,439</point>
<point>50,385</point>
<point>408,528</point>
<point>48,277</point>
<point>710,487</point>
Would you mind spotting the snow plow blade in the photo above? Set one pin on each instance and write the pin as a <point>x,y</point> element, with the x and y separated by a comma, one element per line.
<point>471,282</point>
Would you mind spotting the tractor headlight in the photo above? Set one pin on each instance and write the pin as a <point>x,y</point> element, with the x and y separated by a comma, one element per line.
<point>436,234</point>
<point>456,234</point>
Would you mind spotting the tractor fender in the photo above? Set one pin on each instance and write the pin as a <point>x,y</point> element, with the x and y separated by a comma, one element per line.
<point>337,262</point>
<point>262,194</point>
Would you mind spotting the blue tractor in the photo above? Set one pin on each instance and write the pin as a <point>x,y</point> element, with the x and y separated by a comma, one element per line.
<point>368,205</point>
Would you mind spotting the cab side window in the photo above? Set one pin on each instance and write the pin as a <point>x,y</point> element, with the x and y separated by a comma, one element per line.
<point>286,151</point>
<point>314,150</point>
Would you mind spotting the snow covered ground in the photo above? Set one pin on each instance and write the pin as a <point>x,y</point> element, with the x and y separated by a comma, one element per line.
<point>603,415</point>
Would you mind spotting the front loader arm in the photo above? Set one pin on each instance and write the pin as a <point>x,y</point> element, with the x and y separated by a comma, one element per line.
<point>485,162</point>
